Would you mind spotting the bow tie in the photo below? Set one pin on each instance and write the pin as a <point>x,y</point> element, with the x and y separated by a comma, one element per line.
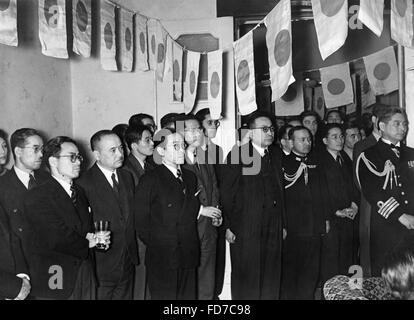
<point>395,149</point>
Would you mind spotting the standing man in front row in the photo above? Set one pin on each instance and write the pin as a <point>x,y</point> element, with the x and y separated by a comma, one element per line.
<point>167,208</point>
<point>252,199</point>
<point>110,192</point>
<point>386,175</point>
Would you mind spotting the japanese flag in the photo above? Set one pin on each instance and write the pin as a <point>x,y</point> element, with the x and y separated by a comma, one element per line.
<point>127,40</point>
<point>215,82</point>
<point>177,58</point>
<point>371,14</point>
<point>279,45</point>
<point>351,108</point>
<point>82,27</point>
<point>318,102</point>
<point>291,103</point>
<point>108,44</point>
<point>367,94</point>
<point>244,72</point>
<point>161,52</point>
<point>141,42</point>
<point>337,85</point>
<point>382,71</point>
<point>52,28</point>
<point>191,80</point>
<point>8,22</point>
<point>402,22</point>
<point>331,24</point>
<point>153,26</point>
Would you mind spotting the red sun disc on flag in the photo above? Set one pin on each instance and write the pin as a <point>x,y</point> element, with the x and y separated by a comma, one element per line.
<point>215,85</point>
<point>243,75</point>
<point>176,71</point>
<point>192,82</point>
<point>108,36</point>
<point>51,12</point>
<point>336,86</point>
<point>4,5</point>
<point>160,53</point>
<point>331,7</point>
<point>81,16</point>
<point>282,47</point>
<point>128,39</point>
<point>382,71</point>
<point>401,7</point>
<point>290,94</point>
<point>142,41</point>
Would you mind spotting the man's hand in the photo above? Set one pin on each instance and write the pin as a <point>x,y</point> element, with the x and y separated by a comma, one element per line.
<point>284,233</point>
<point>211,212</point>
<point>407,220</point>
<point>92,238</point>
<point>230,236</point>
<point>25,290</point>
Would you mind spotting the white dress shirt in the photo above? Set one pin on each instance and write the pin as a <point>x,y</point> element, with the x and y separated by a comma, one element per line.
<point>23,176</point>
<point>108,174</point>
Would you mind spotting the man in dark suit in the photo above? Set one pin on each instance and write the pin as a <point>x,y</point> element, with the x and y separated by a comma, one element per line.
<point>110,192</point>
<point>253,204</point>
<point>208,195</point>
<point>59,238</point>
<point>386,175</point>
<point>27,147</point>
<point>365,208</point>
<point>167,208</point>
<point>14,279</point>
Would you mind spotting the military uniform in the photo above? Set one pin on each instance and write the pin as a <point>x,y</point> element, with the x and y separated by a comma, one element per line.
<point>386,176</point>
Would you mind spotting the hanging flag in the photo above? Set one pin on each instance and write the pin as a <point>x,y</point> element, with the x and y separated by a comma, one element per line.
<point>337,85</point>
<point>177,56</point>
<point>279,44</point>
<point>244,72</point>
<point>191,80</point>
<point>402,22</point>
<point>371,13</point>
<point>215,82</point>
<point>127,40</point>
<point>307,97</point>
<point>152,26</point>
<point>367,94</point>
<point>82,27</point>
<point>382,71</point>
<point>168,55</point>
<point>318,104</point>
<point>351,108</point>
<point>108,45</point>
<point>52,28</point>
<point>8,22</point>
<point>291,103</point>
<point>161,38</point>
<point>331,24</point>
<point>141,42</point>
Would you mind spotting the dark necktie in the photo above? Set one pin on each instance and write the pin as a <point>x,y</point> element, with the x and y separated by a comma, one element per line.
<point>145,166</point>
<point>180,175</point>
<point>396,150</point>
<point>115,184</point>
<point>74,194</point>
<point>339,160</point>
<point>32,182</point>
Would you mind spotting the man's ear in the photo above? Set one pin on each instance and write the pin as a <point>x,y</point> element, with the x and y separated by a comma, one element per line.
<point>161,151</point>
<point>52,162</point>
<point>97,155</point>
<point>325,141</point>
<point>381,126</point>
<point>134,146</point>
<point>18,151</point>
<point>290,143</point>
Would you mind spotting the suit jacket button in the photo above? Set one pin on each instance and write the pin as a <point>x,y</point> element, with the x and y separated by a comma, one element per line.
<point>406,202</point>
<point>15,210</point>
<point>274,203</point>
<point>169,205</point>
<point>20,229</point>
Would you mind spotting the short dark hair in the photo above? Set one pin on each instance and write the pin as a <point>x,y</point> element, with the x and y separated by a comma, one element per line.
<point>136,119</point>
<point>134,134</point>
<point>202,114</point>
<point>332,111</point>
<point>3,135</point>
<point>328,127</point>
<point>19,137</point>
<point>53,147</point>
<point>192,117</point>
<point>168,119</point>
<point>120,130</point>
<point>378,108</point>
<point>283,131</point>
<point>308,113</point>
<point>298,128</point>
<point>258,114</point>
<point>98,136</point>
<point>350,125</point>
<point>385,115</point>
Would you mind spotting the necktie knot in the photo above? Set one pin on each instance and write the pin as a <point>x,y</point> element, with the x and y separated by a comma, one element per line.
<point>339,160</point>
<point>115,184</point>
<point>179,174</point>
<point>32,182</point>
<point>396,149</point>
<point>74,194</point>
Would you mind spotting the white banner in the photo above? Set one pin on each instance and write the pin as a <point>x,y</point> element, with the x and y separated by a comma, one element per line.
<point>108,43</point>
<point>331,24</point>
<point>291,103</point>
<point>402,22</point>
<point>215,82</point>
<point>279,44</point>
<point>127,40</point>
<point>191,80</point>
<point>152,26</point>
<point>141,43</point>
<point>382,71</point>
<point>161,38</point>
<point>82,27</point>
<point>244,72</point>
<point>371,14</point>
<point>8,23</point>
<point>52,28</point>
<point>337,85</point>
<point>177,57</point>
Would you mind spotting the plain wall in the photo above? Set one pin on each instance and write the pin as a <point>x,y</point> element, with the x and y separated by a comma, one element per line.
<point>35,90</point>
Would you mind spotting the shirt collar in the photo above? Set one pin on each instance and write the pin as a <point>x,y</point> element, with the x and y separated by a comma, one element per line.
<point>333,154</point>
<point>108,174</point>
<point>389,142</point>
<point>298,157</point>
<point>376,135</point>
<point>23,176</point>
<point>172,168</point>
<point>259,149</point>
<point>65,185</point>
<point>142,163</point>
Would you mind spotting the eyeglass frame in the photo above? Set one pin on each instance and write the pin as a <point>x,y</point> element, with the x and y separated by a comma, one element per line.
<point>216,123</point>
<point>36,149</point>
<point>73,157</point>
<point>266,129</point>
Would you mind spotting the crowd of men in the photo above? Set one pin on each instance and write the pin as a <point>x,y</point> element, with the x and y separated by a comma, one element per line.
<point>298,202</point>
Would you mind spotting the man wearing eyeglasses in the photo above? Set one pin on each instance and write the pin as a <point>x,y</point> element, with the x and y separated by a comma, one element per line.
<point>167,208</point>
<point>252,197</point>
<point>110,192</point>
<point>27,148</point>
<point>60,236</point>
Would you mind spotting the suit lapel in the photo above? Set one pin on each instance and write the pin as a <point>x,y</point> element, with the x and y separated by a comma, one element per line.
<point>102,185</point>
<point>16,184</point>
<point>136,165</point>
